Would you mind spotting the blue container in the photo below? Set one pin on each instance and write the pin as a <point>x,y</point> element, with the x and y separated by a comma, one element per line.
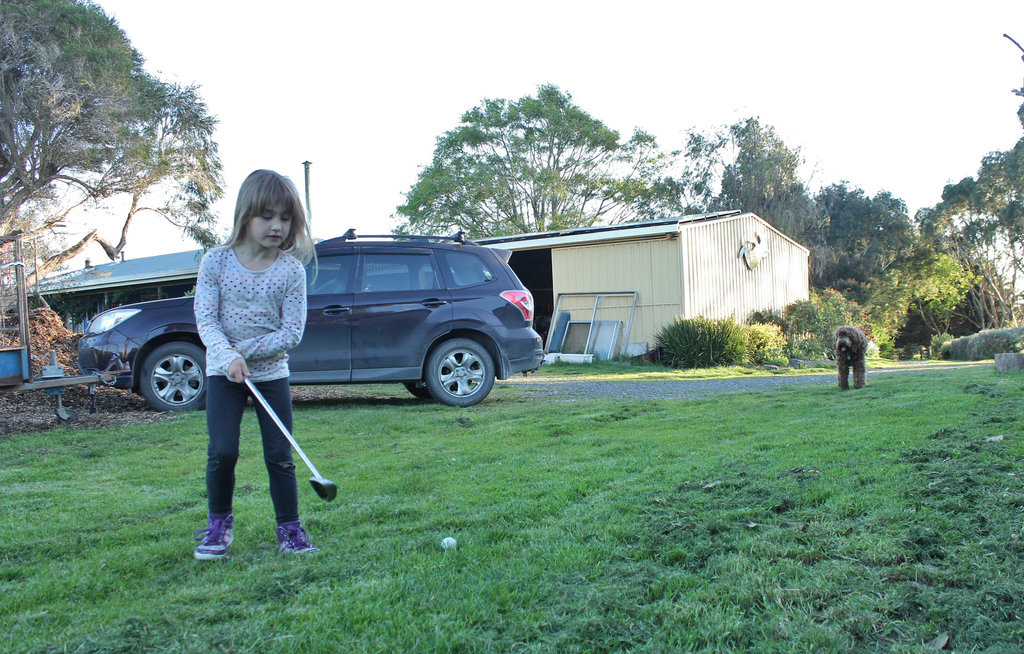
<point>13,366</point>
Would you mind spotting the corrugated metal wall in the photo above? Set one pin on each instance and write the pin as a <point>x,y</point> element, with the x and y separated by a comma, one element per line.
<point>650,267</point>
<point>718,284</point>
<point>696,273</point>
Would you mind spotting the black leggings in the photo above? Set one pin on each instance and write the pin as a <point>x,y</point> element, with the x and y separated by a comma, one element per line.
<point>225,402</point>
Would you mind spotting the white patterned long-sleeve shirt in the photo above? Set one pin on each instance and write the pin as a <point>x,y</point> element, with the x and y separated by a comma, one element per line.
<point>256,315</point>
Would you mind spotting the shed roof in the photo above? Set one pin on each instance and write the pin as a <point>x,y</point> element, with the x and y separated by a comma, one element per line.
<point>165,268</point>
<point>159,269</point>
<point>621,231</point>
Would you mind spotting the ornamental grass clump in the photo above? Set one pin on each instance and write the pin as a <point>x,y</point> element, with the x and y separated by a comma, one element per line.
<point>702,343</point>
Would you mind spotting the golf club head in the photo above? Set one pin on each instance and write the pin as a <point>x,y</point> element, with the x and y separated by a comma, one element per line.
<point>325,488</point>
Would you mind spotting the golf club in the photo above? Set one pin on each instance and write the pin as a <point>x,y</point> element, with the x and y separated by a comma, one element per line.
<point>325,488</point>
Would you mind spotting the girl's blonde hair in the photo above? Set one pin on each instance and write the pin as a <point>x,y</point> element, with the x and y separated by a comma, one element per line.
<point>266,190</point>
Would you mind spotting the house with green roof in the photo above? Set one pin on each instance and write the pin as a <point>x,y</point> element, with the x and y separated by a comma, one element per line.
<point>81,294</point>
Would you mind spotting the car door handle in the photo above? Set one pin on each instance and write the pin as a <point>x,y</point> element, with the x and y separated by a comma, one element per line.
<point>335,310</point>
<point>434,302</point>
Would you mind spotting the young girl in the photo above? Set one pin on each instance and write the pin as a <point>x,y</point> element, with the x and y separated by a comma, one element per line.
<point>250,309</point>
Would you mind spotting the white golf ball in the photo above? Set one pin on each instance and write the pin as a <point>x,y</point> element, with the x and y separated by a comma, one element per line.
<point>449,543</point>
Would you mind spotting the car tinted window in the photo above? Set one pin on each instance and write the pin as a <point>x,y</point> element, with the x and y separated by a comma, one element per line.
<point>397,272</point>
<point>468,269</point>
<point>330,274</point>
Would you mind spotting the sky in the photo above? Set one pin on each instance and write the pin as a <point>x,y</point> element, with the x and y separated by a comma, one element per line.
<point>896,95</point>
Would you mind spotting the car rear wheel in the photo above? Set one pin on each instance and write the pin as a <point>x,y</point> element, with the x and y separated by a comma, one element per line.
<point>174,377</point>
<point>460,372</point>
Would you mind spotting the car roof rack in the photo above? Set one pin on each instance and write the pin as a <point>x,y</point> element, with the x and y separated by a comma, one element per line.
<point>458,237</point>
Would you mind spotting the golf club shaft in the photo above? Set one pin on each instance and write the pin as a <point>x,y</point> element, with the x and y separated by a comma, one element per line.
<point>280,425</point>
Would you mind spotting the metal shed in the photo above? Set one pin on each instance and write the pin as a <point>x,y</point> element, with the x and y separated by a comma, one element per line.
<point>623,283</point>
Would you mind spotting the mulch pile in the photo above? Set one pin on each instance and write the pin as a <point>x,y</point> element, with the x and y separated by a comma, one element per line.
<point>33,411</point>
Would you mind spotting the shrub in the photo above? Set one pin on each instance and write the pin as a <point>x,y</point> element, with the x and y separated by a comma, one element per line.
<point>765,343</point>
<point>986,344</point>
<point>767,317</point>
<point>958,348</point>
<point>884,341</point>
<point>810,323</point>
<point>939,346</point>
<point>701,343</point>
<point>944,350</point>
<point>873,351</point>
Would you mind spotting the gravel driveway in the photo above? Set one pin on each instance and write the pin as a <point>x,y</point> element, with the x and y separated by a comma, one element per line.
<point>572,389</point>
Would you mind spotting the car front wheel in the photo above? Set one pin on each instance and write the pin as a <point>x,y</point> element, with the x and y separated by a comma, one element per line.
<point>460,372</point>
<point>174,377</point>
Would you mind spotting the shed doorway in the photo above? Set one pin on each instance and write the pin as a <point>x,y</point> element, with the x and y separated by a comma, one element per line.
<point>533,268</point>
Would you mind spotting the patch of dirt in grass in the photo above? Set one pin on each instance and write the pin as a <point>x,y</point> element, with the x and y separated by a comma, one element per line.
<point>35,411</point>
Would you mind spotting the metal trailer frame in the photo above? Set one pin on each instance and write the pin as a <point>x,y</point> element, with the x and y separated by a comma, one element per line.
<point>15,370</point>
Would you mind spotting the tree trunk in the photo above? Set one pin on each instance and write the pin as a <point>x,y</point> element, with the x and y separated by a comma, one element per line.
<point>55,261</point>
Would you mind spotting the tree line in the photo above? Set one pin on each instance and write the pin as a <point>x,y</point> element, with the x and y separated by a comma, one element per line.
<point>542,163</point>
<point>82,122</point>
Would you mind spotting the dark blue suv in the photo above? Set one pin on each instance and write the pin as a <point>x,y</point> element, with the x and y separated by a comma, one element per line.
<point>445,317</point>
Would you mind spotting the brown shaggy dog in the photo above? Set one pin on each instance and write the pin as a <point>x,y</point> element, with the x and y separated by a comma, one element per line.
<point>851,346</point>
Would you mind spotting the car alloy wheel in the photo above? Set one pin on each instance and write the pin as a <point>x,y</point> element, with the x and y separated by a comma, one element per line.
<point>174,377</point>
<point>460,372</point>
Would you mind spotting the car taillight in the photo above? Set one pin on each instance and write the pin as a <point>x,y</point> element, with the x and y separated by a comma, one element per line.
<point>523,300</point>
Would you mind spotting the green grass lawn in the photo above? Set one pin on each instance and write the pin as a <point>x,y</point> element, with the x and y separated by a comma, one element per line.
<point>798,519</point>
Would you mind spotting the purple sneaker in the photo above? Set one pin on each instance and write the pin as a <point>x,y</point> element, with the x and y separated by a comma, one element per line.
<point>293,539</point>
<point>215,538</point>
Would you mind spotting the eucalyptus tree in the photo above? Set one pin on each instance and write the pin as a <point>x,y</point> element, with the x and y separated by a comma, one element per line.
<point>534,164</point>
<point>980,224</point>
<point>82,121</point>
<point>924,288</point>
<point>173,171</point>
<point>939,288</point>
<point>862,238</point>
<point>748,166</point>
